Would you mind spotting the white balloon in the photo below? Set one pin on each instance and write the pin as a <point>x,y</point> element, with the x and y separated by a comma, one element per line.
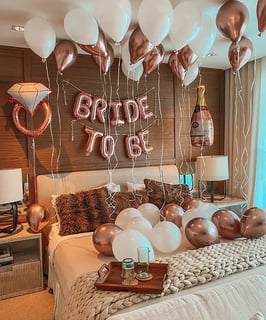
<point>141,224</point>
<point>126,243</point>
<point>133,74</point>
<point>151,212</point>
<point>186,24</point>
<point>125,215</point>
<point>208,209</point>
<point>155,23</point>
<point>81,26</point>
<point>114,17</point>
<point>191,74</point>
<point>40,37</point>
<point>203,42</point>
<point>166,237</point>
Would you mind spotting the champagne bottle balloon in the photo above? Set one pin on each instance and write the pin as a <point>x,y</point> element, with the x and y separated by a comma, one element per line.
<point>201,131</point>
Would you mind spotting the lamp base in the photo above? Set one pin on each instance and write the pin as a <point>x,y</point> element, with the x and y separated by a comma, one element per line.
<point>209,195</point>
<point>9,219</point>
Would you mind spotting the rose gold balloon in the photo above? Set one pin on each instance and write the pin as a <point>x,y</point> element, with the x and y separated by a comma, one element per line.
<point>32,132</point>
<point>227,223</point>
<point>191,203</point>
<point>153,59</point>
<point>37,217</point>
<point>240,53</point>
<point>261,15</point>
<point>103,237</point>
<point>105,62</point>
<point>201,232</point>
<point>65,54</point>
<point>176,66</point>
<point>232,19</point>
<point>173,213</point>
<point>186,56</point>
<point>99,49</point>
<point>139,45</point>
<point>253,223</point>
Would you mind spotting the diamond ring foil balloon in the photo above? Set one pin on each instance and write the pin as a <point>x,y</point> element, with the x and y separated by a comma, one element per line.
<point>29,94</point>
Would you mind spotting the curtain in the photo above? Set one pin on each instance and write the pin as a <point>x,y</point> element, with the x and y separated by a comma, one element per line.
<point>245,110</point>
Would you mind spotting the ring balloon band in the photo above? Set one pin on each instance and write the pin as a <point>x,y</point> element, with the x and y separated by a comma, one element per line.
<point>34,132</point>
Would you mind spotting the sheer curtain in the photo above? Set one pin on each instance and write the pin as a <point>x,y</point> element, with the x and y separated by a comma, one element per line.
<point>245,131</point>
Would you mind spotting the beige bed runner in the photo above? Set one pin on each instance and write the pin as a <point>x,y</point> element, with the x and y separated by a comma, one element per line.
<point>187,269</point>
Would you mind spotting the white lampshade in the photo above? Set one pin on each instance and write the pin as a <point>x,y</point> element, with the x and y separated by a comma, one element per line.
<point>212,168</point>
<point>10,185</point>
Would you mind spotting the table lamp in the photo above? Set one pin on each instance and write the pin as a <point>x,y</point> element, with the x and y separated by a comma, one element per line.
<point>211,169</point>
<point>10,193</point>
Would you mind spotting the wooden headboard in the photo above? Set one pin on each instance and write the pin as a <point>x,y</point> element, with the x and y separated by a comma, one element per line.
<point>71,182</point>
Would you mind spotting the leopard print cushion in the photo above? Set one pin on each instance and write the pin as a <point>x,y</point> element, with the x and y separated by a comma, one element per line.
<point>160,193</point>
<point>84,211</point>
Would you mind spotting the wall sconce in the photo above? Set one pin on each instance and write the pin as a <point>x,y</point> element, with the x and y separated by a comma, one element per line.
<point>212,169</point>
<point>10,193</point>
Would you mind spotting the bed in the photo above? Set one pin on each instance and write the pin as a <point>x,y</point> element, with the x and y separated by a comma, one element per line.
<point>222,281</point>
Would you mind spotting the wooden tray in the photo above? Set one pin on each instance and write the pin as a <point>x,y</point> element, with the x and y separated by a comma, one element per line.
<point>110,278</point>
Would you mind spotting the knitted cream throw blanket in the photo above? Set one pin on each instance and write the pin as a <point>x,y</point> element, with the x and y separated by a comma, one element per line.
<point>186,269</point>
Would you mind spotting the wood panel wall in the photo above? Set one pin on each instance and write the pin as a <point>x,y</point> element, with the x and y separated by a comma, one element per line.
<point>62,147</point>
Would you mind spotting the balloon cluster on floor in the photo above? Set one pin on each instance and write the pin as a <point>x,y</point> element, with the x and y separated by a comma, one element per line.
<point>191,35</point>
<point>201,223</point>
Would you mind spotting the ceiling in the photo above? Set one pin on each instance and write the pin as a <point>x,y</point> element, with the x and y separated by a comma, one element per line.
<point>18,12</point>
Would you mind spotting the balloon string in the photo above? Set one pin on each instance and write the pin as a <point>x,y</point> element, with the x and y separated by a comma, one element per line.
<point>50,125</point>
<point>244,154</point>
<point>34,164</point>
<point>59,126</point>
<point>236,171</point>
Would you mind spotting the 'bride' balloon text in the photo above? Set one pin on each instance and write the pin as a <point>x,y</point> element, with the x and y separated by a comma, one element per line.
<point>125,111</point>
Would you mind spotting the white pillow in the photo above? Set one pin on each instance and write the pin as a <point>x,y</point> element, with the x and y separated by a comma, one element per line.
<point>135,186</point>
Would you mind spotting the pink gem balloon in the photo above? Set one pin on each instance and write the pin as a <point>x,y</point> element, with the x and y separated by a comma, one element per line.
<point>253,223</point>
<point>173,213</point>
<point>227,223</point>
<point>201,232</point>
<point>103,237</point>
<point>37,217</point>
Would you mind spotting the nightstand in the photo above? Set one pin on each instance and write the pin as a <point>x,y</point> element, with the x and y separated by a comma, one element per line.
<point>25,274</point>
<point>238,205</point>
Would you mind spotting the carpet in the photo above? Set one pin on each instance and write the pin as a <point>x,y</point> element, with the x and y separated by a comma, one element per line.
<point>32,306</point>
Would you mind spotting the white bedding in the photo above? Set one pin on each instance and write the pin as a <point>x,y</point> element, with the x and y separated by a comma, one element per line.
<point>238,296</point>
<point>241,296</point>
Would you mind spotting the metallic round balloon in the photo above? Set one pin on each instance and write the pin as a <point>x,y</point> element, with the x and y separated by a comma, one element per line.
<point>103,237</point>
<point>192,203</point>
<point>201,232</point>
<point>173,212</point>
<point>37,217</point>
<point>227,222</point>
<point>253,223</point>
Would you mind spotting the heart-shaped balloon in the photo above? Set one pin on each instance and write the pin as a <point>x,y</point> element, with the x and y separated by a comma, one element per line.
<point>186,56</point>
<point>105,62</point>
<point>37,217</point>
<point>153,59</point>
<point>240,53</point>
<point>139,45</point>
<point>176,66</point>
